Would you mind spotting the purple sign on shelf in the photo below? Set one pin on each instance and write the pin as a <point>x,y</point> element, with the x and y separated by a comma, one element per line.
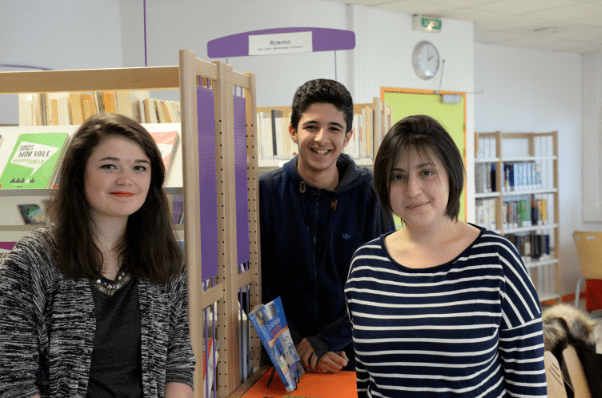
<point>207,183</point>
<point>323,39</point>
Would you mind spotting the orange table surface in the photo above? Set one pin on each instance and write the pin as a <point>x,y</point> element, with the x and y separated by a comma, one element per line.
<point>313,385</point>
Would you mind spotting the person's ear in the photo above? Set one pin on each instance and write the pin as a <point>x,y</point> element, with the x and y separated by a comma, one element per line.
<point>293,133</point>
<point>348,138</point>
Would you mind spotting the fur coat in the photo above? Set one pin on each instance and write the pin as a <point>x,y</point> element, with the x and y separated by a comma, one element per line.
<point>564,325</point>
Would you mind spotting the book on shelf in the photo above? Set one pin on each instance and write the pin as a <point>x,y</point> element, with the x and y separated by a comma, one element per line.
<point>32,214</point>
<point>276,136</point>
<point>89,106</point>
<point>58,109</point>
<point>5,248</point>
<point>167,142</point>
<point>485,177</point>
<point>270,323</point>
<point>486,213</point>
<point>209,361</point>
<point>77,110</point>
<point>33,161</point>
<point>109,101</point>
<point>160,111</point>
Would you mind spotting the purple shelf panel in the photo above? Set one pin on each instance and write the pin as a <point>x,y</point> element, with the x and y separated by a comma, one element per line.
<point>207,183</point>
<point>323,39</point>
<point>240,178</point>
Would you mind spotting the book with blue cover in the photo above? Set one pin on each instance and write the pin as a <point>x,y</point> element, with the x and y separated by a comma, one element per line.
<point>270,323</point>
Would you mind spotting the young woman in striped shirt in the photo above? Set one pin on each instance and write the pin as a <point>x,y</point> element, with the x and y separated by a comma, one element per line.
<point>439,308</point>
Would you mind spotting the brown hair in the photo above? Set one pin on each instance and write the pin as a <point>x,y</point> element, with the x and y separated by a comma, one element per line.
<point>417,134</point>
<point>148,248</point>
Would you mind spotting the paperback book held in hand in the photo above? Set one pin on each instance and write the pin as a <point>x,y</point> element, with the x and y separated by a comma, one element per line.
<point>270,323</point>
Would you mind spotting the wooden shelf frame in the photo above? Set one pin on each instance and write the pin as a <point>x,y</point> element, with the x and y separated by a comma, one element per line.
<point>186,77</point>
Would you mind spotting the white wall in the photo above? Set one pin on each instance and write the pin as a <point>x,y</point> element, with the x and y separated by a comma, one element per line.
<point>592,142</point>
<point>57,34</point>
<point>538,91</point>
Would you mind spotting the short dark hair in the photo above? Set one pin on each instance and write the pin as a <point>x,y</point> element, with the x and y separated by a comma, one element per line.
<point>324,91</point>
<point>418,134</point>
<point>148,248</point>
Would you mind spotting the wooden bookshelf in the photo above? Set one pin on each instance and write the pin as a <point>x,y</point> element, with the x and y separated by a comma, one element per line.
<point>532,159</point>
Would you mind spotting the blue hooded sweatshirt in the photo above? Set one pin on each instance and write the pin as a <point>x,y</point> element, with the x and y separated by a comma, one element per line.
<point>308,236</point>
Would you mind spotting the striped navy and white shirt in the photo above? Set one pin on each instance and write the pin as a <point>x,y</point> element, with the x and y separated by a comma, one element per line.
<point>467,328</point>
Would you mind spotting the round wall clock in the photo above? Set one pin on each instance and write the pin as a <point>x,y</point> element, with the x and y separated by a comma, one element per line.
<point>425,59</point>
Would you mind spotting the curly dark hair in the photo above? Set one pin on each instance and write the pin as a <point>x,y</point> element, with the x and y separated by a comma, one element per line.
<point>148,249</point>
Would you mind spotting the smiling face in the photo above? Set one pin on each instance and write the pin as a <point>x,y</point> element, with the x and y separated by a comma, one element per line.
<point>420,190</point>
<point>117,179</point>
<point>321,137</point>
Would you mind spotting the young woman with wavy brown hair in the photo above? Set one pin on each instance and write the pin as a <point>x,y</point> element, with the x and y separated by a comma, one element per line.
<point>95,304</point>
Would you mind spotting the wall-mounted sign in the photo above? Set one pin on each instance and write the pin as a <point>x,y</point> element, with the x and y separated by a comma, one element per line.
<point>280,43</point>
<point>427,24</point>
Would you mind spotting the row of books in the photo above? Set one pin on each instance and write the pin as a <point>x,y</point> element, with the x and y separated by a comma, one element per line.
<point>518,176</point>
<point>531,245</point>
<point>524,211</point>
<point>361,144</point>
<point>35,159</point>
<point>522,176</point>
<point>273,137</point>
<point>517,212</point>
<point>61,109</point>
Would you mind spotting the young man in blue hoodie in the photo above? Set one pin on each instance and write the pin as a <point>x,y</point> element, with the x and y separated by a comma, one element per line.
<point>315,212</point>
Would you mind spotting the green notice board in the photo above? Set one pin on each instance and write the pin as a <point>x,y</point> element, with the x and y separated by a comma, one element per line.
<point>421,102</point>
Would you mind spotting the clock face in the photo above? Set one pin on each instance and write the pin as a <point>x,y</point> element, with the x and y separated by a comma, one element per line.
<point>425,60</point>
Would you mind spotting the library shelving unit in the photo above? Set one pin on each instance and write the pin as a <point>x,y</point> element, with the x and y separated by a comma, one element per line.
<point>238,349</point>
<point>377,116</point>
<point>516,193</point>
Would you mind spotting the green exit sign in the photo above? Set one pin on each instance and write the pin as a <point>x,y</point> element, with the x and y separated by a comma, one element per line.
<point>426,24</point>
<point>431,23</point>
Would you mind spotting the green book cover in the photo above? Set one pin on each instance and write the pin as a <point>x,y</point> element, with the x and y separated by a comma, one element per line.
<point>33,160</point>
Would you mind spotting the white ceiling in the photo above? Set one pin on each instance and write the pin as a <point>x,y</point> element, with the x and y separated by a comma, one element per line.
<point>557,25</point>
